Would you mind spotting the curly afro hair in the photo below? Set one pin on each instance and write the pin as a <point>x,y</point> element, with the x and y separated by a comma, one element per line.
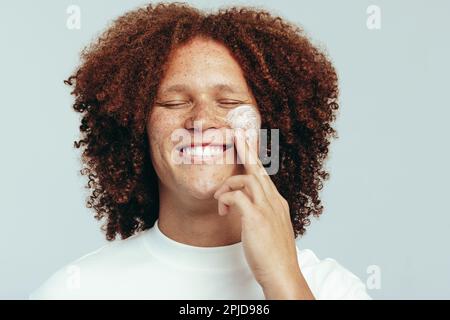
<point>294,83</point>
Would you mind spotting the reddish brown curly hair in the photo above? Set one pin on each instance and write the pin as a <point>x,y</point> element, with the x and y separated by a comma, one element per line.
<point>294,83</point>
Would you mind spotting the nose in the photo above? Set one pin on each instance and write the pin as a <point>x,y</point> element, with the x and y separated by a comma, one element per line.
<point>202,117</point>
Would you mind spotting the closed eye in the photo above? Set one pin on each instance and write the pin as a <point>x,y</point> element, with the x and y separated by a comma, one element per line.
<point>172,104</point>
<point>229,103</point>
<point>180,104</point>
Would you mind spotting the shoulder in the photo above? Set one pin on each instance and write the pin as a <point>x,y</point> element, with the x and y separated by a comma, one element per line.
<point>79,277</point>
<point>328,279</point>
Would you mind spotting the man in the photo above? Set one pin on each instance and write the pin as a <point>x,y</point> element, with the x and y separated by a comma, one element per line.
<point>204,229</point>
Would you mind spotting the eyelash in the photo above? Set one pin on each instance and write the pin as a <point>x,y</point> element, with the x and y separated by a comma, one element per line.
<point>170,104</point>
<point>231,103</point>
<point>175,105</point>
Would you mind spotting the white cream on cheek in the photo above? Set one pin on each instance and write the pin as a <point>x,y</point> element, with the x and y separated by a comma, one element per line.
<point>244,117</point>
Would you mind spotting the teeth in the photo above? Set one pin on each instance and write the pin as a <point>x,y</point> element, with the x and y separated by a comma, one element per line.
<point>206,151</point>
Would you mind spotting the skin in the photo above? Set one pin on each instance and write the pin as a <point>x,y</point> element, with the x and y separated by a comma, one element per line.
<point>211,204</point>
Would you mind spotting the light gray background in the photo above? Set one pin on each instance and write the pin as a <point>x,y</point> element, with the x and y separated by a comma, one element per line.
<point>385,202</point>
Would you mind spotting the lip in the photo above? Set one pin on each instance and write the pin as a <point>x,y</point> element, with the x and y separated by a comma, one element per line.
<point>204,144</point>
<point>200,159</point>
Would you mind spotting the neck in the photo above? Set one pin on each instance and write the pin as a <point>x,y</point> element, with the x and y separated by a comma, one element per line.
<point>195,222</point>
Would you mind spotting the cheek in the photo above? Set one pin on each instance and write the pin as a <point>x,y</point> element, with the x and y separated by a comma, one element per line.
<point>161,124</point>
<point>155,129</point>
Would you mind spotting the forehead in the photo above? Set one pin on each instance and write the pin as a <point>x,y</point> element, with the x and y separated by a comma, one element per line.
<point>203,61</point>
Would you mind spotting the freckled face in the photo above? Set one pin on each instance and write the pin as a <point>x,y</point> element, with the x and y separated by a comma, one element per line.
<point>201,84</point>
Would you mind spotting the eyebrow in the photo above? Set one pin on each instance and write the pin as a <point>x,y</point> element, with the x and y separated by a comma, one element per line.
<point>217,87</point>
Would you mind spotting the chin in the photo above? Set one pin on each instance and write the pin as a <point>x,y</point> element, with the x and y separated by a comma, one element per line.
<point>202,184</point>
<point>203,190</point>
<point>202,194</point>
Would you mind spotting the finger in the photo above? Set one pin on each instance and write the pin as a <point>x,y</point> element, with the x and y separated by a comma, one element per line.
<point>255,167</point>
<point>243,152</point>
<point>248,183</point>
<point>251,139</point>
<point>252,142</point>
<point>236,201</point>
<point>223,209</point>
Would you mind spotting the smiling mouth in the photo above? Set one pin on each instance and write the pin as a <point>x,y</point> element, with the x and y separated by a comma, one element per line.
<point>205,151</point>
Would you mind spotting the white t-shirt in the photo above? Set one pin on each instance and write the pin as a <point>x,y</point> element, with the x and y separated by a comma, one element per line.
<point>150,265</point>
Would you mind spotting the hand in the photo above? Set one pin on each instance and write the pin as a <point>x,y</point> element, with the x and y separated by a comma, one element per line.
<point>267,234</point>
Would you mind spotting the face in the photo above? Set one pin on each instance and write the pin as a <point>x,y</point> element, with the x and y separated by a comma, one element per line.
<point>201,84</point>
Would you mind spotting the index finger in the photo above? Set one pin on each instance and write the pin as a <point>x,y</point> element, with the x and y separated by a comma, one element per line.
<point>247,154</point>
<point>254,165</point>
